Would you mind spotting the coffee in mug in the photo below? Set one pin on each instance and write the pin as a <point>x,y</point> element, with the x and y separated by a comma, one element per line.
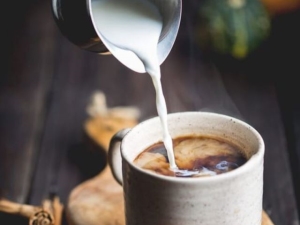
<point>196,156</point>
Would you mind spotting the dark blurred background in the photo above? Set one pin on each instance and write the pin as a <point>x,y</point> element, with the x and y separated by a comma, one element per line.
<point>240,60</point>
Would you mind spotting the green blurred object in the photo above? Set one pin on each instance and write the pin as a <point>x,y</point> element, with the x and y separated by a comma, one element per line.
<point>234,27</point>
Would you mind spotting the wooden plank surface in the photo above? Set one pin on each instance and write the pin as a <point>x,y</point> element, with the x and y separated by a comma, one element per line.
<point>287,73</point>
<point>25,82</point>
<point>46,84</point>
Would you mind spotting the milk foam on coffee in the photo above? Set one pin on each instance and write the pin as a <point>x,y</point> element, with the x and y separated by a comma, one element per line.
<point>136,25</point>
<point>196,156</point>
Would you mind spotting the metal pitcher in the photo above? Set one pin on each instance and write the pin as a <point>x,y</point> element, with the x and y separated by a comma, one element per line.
<point>74,19</point>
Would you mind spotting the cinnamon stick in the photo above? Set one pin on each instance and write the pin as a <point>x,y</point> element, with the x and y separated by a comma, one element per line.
<point>57,210</point>
<point>55,207</point>
<point>36,215</point>
<point>50,213</point>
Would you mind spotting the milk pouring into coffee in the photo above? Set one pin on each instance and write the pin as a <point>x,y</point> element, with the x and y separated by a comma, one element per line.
<point>136,25</point>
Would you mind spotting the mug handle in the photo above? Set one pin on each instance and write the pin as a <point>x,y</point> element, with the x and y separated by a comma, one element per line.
<point>114,155</point>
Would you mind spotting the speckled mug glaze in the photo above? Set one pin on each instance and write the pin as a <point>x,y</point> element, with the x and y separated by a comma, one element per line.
<point>233,198</point>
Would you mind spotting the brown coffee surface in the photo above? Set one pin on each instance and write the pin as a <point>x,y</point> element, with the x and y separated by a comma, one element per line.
<point>195,157</point>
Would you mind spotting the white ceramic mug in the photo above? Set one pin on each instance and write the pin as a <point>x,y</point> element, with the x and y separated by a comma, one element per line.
<point>232,198</point>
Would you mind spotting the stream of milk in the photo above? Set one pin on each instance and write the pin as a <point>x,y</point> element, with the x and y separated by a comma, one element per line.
<point>136,25</point>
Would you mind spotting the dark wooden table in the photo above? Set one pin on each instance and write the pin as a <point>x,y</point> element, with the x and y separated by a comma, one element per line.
<point>46,83</point>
